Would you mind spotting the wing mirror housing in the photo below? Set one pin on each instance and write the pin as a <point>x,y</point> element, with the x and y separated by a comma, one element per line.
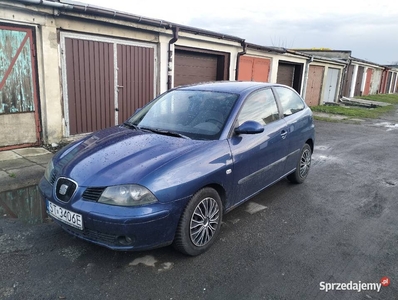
<point>249,127</point>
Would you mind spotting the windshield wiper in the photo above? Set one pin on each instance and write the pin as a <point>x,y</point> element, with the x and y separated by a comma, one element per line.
<point>165,132</point>
<point>131,125</point>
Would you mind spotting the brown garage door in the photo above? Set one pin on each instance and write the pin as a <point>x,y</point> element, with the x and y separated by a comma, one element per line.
<point>314,85</point>
<point>347,82</point>
<point>90,82</point>
<point>290,74</point>
<point>285,74</point>
<point>135,79</point>
<point>358,82</point>
<point>193,67</point>
<point>91,88</point>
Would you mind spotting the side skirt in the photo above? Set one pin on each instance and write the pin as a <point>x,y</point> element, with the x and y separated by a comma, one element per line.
<point>258,192</point>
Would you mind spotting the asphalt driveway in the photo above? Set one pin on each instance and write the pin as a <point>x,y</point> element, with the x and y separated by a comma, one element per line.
<point>338,230</point>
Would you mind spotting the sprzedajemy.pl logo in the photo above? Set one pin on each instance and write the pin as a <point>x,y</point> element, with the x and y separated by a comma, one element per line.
<point>354,286</point>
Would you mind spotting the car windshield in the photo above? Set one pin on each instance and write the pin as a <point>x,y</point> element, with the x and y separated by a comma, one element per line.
<point>190,113</point>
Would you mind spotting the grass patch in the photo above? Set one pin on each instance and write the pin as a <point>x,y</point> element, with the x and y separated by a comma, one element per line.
<point>361,112</point>
<point>353,112</point>
<point>389,98</point>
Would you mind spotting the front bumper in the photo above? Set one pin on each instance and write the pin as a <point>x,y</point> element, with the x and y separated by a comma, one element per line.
<point>120,228</point>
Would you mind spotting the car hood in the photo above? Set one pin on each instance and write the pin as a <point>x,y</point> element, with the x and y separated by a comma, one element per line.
<point>120,155</point>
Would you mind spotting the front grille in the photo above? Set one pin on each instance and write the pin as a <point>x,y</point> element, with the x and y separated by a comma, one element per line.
<point>65,189</point>
<point>92,235</point>
<point>93,193</point>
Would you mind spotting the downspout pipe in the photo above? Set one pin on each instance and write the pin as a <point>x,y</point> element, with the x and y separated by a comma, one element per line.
<point>306,72</point>
<point>170,57</point>
<point>47,3</point>
<point>244,45</point>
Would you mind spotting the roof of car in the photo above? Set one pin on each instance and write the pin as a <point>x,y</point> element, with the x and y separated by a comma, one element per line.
<point>227,86</point>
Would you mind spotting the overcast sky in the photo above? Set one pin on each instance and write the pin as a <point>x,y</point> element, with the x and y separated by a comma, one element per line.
<point>368,28</point>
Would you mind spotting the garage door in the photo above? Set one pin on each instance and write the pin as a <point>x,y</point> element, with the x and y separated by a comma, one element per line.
<point>396,86</point>
<point>369,74</point>
<point>393,83</point>
<point>330,90</point>
<point>358,82</point>
<point>290,74</point>
<point>314,85</point>
<point>348,80</point>
<point>253,69</point>
<point>106,81</point>
<point>285,74</point>
<point>193,67</point>
<point>389,82</point>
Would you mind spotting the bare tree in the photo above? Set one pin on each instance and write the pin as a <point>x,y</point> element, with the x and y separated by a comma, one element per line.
<point>281,42</point>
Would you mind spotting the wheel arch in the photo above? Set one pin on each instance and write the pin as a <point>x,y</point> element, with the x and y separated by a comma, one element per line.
<point>310,142</point>
<point>221,192</point>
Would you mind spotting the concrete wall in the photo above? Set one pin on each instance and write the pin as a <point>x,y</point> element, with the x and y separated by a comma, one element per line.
<point>18,127</point>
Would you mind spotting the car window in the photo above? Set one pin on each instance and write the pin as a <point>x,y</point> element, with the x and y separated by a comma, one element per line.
<point>193,113</point>
<point>290,101</point>
<point>260,107</point>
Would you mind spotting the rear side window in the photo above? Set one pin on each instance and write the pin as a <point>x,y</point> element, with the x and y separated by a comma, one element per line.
<point>260,107</point>
<point>290,101</point>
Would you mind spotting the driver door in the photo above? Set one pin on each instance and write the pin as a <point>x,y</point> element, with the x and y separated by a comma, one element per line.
<point>258,159</point>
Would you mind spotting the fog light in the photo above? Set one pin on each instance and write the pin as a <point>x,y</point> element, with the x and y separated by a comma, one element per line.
<point>125,240</point>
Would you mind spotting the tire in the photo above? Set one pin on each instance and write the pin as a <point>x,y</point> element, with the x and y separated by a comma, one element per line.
<point>200,223</point>
<point>303,166</point>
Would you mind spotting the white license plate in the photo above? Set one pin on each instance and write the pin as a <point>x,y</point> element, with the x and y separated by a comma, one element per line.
<point>64,215</point>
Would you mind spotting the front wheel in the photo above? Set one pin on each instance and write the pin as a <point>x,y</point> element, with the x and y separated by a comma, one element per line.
<point>200,223</point>
<point>303,166</point>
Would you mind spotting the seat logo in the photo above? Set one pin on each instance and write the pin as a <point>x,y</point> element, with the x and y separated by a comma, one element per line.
<point>63,189</point>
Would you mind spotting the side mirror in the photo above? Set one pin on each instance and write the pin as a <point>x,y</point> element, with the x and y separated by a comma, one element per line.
<point>249,127</point>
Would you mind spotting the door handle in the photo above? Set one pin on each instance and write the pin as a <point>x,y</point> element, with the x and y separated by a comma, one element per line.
<point>283,134</point>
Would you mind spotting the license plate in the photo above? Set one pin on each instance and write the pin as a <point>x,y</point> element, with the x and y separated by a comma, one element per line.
<point>64,215</point>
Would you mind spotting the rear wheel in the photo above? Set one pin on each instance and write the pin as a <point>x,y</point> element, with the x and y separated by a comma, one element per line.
<point>303,166</point>
<point>200,223</point>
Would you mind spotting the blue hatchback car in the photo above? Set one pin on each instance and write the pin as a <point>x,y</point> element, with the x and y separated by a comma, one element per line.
<point>170,172</point>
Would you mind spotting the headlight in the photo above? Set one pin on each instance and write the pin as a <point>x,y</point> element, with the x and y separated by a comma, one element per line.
<point>49,169</point>
<point>127,195</point>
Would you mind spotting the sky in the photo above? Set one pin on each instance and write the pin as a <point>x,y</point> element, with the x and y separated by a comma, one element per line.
<point>368,28</point>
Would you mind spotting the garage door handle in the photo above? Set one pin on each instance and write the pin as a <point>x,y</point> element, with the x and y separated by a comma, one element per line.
<point>283,134</point>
